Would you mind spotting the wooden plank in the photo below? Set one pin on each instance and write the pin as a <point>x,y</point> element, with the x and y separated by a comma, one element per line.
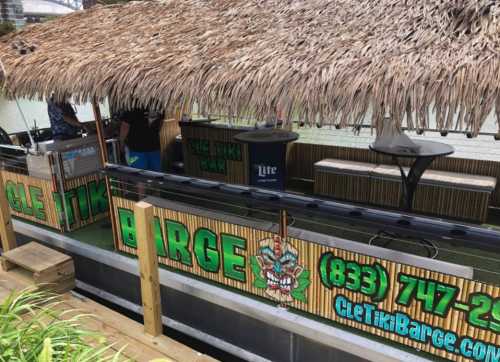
<point>116,338</point>
<point>166,346</point>
<point>148,264</point>
<point>5,264</point>
<point>35,257</point>
<point>7,235</point>
<point>59,272</point>
<point>118,330</point>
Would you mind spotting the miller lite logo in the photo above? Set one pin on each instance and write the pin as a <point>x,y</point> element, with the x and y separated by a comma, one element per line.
<point>265,171</point>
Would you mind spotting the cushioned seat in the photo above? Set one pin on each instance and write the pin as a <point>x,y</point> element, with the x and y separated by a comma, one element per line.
<point>460,181</point>
<point>345,167</point>
<point>440,178</point>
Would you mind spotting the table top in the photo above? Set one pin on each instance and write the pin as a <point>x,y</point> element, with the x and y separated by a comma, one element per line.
<point>425,149</point>
<point>267,136</point>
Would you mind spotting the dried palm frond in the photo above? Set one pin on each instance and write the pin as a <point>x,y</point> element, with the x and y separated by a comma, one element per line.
<point>329,61</point>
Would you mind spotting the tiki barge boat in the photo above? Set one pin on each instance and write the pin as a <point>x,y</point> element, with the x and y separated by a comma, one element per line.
<point>352,249</point>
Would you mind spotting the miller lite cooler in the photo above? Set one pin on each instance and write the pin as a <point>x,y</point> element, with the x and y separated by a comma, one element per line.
<point>267,156</point>
<point>267,165</point>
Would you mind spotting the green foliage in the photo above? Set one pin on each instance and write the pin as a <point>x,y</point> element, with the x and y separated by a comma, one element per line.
<point>259,281</point>
<point>30,331</point>
<point>6,27</point>
<point>303,280</point>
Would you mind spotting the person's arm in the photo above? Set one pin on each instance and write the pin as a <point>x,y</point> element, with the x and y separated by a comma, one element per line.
<point>69,117</point>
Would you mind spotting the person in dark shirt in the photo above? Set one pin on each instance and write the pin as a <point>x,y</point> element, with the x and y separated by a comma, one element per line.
<point>140,133</point>
<point>63,121</point>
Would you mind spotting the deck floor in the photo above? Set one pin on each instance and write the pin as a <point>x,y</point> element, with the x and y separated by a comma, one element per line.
<point>118,330</point>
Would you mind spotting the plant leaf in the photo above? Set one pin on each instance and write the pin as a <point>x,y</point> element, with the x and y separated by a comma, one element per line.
<point>304,275</point>
<point>298,295</point>
<point>259,281</point>
<point>47,351</point>
<point>299,292</point>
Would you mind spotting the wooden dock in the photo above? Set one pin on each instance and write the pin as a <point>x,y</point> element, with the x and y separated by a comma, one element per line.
<point>118,330</point>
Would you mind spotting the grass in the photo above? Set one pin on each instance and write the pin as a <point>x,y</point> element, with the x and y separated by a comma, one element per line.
<point>33,329</point>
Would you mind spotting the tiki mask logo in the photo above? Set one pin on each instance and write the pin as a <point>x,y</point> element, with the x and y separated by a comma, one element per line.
<point>276,270</point>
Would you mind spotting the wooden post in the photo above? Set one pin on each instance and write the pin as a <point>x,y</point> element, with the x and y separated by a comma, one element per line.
<point>104,160</point>
<point>100,132</point>
<point>283,225</point>
<point>148,266</point>
<point>6,229</point>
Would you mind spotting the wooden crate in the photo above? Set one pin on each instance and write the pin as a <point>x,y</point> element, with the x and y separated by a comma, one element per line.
<point>44,267</point>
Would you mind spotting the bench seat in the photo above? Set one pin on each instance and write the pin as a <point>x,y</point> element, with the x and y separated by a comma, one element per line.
<point>439,193</point>
<point>344,180</point>
<point>447,194</point>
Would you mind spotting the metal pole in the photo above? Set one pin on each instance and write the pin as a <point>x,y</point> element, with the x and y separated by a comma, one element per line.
<point>104,159</point>
<point>25,123</point>
<point>62,191</point>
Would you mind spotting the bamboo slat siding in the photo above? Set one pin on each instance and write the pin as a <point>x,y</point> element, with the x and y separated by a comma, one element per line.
<point>303,156</point>
<point>319,298</point>
<point>75,183</point>
<point>237,171</point>
<point>48,190</point>
<point>433,200</point>
<point>52,217</point>
<point>168,132</point>
<point>454,203</point>
<point>344,187</point>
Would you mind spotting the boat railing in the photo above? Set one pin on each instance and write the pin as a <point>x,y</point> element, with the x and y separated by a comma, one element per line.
<point>350,214</point>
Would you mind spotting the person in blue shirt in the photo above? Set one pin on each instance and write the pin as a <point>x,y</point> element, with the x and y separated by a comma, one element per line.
<point>63,121</point>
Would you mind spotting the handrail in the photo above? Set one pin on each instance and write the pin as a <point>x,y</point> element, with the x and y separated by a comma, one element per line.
<point>403,224</point>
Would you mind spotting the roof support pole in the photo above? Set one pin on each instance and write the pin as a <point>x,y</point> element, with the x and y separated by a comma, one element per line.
<point>104,160</point>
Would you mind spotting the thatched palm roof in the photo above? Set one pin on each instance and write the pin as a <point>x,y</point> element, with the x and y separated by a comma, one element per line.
<point>325,59</point>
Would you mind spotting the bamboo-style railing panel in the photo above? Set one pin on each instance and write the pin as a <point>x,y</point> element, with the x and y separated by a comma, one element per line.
<point>311,290</point>
<point>40,201</point>
<point>31,198</point>
<point>200,145</point>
